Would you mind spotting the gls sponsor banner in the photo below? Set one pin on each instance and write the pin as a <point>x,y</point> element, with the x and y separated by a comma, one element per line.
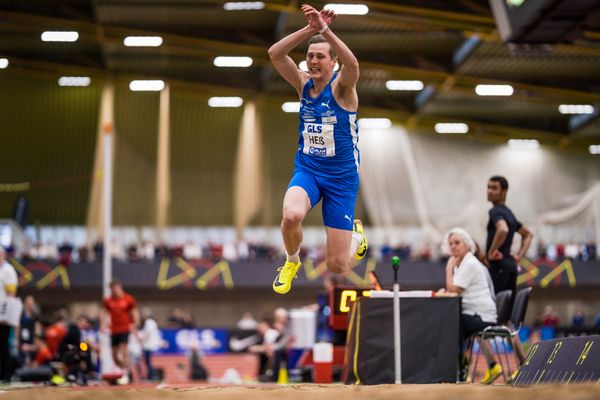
<point>208,341</point>
<point>318,140</point>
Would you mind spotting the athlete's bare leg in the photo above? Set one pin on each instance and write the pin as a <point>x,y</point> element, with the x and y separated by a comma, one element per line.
<point>341,248</point>
<point>296,205</point>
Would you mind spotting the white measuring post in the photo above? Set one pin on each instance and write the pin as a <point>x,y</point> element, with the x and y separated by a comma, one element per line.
<point>397,342</point>
<point>107,220</point>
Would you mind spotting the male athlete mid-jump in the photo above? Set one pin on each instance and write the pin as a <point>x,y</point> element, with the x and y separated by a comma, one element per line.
<point>327,160</point>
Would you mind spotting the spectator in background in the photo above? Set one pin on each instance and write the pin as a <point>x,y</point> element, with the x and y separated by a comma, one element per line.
<point>560,252</point>
<point>56,332</point>
<point>549,318</point>
<point>551,252</point>
<point>42,356</point>
<point>278,351</point>
<point>176,320</point>
<point>122,310</point>
<point>84,254</point>
<point>151,340</point>
<point>99,250</point>
<point>588,252</point>
<point>578,319</point>
<point>264,351</point>
<point>29,328</point>
<point>132,252</point>
<point>134,348</point>
<point>8,288</point>
<point>73,337</point>
<point>181,319</point>
<point>597,322</point>
<point>78,363</point>
<point>591,250</point>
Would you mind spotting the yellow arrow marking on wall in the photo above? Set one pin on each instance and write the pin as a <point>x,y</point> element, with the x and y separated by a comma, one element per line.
<point>532,271</point>
<point>59,271</point>
<point>164,283</point>
<point>25,274</point>
<point>364,280</point>
<point>221,268</point>
<point>564,266</point>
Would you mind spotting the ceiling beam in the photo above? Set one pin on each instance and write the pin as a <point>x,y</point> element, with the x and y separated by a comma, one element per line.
<point>186,45</point>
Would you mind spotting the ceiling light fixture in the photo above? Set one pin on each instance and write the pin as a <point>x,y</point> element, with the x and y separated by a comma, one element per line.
<point>74,81</point>
<point>60,36</point>
<point>594,149</point>
<point>291,106</point>
<point>523,144</point>
<point>146,85</point>
<point>143,41</point>
<point>243,5</point>
<point>3,63</point>
<point>222,61</point>
<point>348,9</point>
<point>576,109</point>
<point>225,102</point>
<point>451,127</point>
<point>494,90</point>
<point>404,85</point>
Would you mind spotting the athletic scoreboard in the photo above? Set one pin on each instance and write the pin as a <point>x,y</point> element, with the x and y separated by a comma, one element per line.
<point>341,300</point>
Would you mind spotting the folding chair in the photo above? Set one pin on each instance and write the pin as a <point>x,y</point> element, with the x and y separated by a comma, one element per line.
<point>506,333</point>
<point>503,311</point>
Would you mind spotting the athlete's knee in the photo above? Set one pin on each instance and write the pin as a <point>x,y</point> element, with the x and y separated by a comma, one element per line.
<point>292,217</point>
<point>337,264</point>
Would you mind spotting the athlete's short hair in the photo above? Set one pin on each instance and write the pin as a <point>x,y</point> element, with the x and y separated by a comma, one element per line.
<point>321,39</point>
<point>501,180</point>
<point>115,282</point>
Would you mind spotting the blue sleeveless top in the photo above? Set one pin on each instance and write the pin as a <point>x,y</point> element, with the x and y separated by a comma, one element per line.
<point>328,135</point>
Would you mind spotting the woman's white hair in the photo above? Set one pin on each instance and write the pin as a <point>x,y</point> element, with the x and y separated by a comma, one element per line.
<point>464,235</point>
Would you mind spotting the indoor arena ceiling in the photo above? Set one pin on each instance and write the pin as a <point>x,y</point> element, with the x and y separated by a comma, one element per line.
<point>451,46</point>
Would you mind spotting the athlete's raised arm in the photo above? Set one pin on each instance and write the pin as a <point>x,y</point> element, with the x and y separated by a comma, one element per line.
<point>284,63</point>
<point>319,21</point>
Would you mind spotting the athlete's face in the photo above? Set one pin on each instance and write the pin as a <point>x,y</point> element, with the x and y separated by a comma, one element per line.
<point>116,291</point>
<point>458,247</point>
<point>319,60</point>
<point>495,192</point>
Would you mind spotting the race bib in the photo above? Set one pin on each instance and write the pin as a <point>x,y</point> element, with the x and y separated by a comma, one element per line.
<point>318,140</point>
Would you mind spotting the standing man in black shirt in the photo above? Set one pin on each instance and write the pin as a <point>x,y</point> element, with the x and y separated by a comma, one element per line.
<point>501,229</point>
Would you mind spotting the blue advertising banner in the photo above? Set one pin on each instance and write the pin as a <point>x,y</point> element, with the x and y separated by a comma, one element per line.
<point>181,341</point>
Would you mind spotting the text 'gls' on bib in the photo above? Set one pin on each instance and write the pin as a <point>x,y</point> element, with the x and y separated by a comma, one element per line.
<point>318,140</point>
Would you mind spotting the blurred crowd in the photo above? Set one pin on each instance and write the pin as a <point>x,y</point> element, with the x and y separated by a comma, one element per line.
<point>67,252</point>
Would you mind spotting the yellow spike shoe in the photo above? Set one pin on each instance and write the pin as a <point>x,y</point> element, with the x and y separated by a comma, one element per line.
<point>361,252</point>
<point>491,374</point>
<point>283,281</point>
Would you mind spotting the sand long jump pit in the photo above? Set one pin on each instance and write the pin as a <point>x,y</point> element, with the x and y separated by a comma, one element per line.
<point>586,391</point>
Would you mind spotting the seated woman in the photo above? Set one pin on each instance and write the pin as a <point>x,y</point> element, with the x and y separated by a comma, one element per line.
<point>468,277</point>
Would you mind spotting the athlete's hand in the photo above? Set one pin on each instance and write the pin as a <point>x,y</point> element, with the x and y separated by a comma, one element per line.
<point>328,16</point>
<point>315,19</point>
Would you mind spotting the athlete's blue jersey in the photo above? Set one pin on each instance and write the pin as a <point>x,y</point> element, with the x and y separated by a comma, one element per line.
<point>328,135</point>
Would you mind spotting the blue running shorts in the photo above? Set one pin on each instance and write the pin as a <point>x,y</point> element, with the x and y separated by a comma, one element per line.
<point>338,194</point>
